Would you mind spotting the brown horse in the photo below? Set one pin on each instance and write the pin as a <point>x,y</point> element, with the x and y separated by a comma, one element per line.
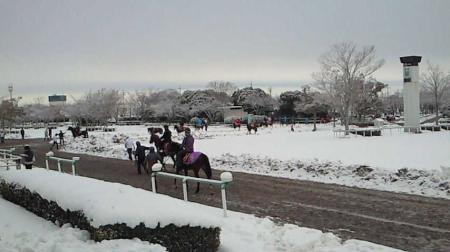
<point>76,132</point>
<point>170,149</point>
<point>202,162</point>
<point>179,129</point>
<point>252,126</point>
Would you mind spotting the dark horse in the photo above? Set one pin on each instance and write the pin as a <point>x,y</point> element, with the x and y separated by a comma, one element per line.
<point>76,132</point>
<point>171,149</point>
<point>252,126</point>
<point>178,128</point>
<point>202,162</point>
<point>155,130</point>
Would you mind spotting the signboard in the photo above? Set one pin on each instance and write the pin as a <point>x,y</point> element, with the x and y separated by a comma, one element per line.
<point>406,74</point>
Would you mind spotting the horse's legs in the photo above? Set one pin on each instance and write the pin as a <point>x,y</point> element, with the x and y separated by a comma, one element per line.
<point>196,175</point>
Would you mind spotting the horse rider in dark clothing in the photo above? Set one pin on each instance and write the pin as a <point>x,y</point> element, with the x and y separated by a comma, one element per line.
<point>61,137</point>
<point>28,157</point>
<point>167,136</point>
<point>187,147</point>
<point>139,156</point>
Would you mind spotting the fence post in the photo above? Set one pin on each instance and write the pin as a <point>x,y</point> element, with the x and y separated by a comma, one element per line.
<point>59,166</point>
<point>155,169</point>
<point>7,164</point>
<point>18,164</point>
<point>47,159</point>
<point>153,182</point>
<point>185,196</point>
<point>225,177</point>
<point>74,160</point>
<point>224,199</point>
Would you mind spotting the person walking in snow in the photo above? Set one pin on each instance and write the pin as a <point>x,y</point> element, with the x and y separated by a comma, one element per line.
<point>129,145</point>
<point>139,156</point>
<point>22,133</point>
<point>46,134</point>
<point>61,137</point>
<point>55,142</point>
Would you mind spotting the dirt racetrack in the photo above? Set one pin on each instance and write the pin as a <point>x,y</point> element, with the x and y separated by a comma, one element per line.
<point>402,221</point>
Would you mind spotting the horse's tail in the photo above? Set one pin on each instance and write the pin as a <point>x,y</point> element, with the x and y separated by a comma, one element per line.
<point>207,167</point>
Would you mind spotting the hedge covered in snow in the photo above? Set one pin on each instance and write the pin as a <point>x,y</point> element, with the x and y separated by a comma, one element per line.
<point>174,238</point>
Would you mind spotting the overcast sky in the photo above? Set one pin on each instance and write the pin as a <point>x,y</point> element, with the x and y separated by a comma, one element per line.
<point>56,46</point>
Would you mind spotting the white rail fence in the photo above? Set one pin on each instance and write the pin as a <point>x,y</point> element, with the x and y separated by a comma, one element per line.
<point>50,156</point>
<point>225,180</point>
<point>7,159</point>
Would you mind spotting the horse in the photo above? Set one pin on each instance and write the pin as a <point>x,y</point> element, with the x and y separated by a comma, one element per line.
<point>198,126</point>
<point>76,132</point>
<point>201,162</point>
<point>155,130</point>
<point>170,149</point>
<point>251,127</point>
<point>179,129</point>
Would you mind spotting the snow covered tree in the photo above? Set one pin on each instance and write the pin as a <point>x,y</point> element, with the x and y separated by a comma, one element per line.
<point>96,107</point>
<point>288,102</point>
<point>436,82</point>
<point>253,100</point>
<point>222,87</point>
<point>165,104</point>
<point>347,65</point>
<point>9,112</point>
<point>311,103</point>
<point>367,100</point>
<point>204,103</point>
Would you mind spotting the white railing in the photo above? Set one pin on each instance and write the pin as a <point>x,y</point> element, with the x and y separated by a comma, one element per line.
<point>8,159</point>
<point>49,156</point>
<point>226,178</point>
<point>338,132</point>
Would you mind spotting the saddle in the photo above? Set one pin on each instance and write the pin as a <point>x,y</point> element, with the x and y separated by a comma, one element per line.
<point>190,158</point>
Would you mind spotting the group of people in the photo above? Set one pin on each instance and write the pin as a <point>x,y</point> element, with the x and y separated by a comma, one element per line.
<point>3,135</point>
<point>58,136</point>
<point>146,161</point>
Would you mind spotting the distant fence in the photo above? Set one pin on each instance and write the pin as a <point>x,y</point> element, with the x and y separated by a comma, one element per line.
<point>226,178</point>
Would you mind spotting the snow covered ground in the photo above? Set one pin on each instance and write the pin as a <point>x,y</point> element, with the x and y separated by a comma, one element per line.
<point>396,161</point>
<point>22,231</point>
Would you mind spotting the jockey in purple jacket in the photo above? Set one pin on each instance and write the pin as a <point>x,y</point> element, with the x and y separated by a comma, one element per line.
<point>187,146</point>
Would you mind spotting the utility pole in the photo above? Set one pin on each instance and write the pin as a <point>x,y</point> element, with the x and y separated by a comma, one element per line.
<point>10,90</point>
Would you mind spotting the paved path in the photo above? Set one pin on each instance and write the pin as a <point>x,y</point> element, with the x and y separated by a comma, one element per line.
<point>402,221</point>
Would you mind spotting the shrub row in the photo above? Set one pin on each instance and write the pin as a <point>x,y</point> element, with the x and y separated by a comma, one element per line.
<point>174,238</point>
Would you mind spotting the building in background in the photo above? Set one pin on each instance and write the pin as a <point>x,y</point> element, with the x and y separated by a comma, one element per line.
<point>57,100</point>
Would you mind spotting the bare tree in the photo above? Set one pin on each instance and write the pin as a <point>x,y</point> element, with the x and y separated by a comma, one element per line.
<point>222,86</point>
<point>349,65</point>
<point>437,83</point>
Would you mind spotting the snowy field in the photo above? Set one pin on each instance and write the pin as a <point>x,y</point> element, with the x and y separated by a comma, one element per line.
<point>23,231</point>
<point>396,161</point>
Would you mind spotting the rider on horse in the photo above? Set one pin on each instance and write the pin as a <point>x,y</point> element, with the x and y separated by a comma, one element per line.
<point>166,138</point>
<point>156,140</point>
<point>187,147</point>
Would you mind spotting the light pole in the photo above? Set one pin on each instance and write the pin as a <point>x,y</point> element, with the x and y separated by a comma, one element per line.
<point>10,90</point>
